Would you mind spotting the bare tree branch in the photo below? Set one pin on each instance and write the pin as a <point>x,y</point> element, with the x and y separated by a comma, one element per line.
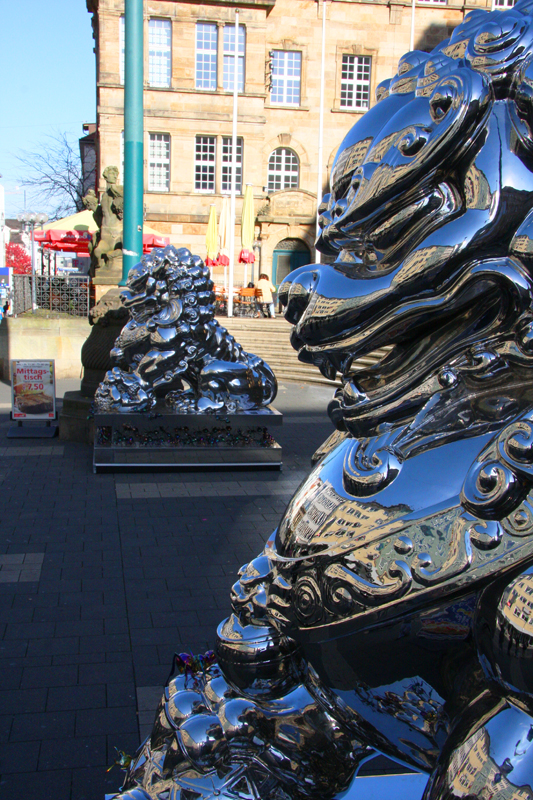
<point>54,174</point>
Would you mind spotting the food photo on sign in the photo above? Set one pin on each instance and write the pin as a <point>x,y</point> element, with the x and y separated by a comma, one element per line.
<point>33,390</point>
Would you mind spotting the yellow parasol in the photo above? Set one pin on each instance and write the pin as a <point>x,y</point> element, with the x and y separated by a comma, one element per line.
<point>211,237</point>
<point>82,221</point>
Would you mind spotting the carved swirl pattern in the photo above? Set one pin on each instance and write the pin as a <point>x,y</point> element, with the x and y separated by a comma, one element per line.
<point>366,473</point>
<point>520,521</point>
<point>338,592</point>
<point>308,600</point>
<point>341,590</point>
<point>498,44</point>
<point>516,447</point>
<point>490,489</point>
<point>502,475</point>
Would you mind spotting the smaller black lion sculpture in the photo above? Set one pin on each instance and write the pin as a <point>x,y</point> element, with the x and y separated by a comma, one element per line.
<point>173,348</point>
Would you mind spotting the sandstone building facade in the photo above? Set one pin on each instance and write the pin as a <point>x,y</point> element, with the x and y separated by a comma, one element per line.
<point>188,71</point>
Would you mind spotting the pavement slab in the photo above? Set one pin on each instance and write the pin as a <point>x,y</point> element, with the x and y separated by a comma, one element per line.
<point>103,577</point>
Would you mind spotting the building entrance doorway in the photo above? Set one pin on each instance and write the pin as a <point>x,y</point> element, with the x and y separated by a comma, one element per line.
<point>288,255</point>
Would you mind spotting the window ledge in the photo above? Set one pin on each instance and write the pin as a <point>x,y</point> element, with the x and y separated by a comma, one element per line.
<point>221,92</point>
<point>286,108</point>
<point>187,90</point>
<point>226,93</point>
<point>209,194</point>
<point>349,110</point>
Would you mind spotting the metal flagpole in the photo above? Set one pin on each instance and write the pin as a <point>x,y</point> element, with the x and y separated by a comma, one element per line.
<point>132,237</point>
<point>321,126</point>
<point>233,170</point>
<point>412,39</point>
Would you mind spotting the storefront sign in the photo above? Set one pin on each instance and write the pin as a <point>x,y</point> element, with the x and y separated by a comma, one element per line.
<point>33,391</point>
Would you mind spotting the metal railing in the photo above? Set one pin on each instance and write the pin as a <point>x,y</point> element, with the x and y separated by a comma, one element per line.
<point>67,294</point>
<point>21,298</point>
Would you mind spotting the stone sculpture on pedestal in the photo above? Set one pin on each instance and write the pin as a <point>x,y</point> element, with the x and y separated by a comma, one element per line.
<point>391,610</point>
<point>105,250</point>
<point>106,247</point>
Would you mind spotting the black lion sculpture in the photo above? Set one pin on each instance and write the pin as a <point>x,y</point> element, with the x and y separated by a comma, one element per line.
<point>392,610</point>
<point>173,348</point>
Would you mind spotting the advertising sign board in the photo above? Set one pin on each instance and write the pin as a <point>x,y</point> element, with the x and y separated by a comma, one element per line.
<point>33,391</point>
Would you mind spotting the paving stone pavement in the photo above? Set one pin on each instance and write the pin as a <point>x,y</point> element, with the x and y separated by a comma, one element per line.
<point>103,577</point>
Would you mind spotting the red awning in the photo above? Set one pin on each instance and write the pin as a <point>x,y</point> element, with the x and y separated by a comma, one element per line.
<point>68,241</point>
<point>78,241</point>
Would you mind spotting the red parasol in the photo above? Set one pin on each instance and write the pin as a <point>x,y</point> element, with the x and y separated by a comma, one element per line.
<point>150,240</point>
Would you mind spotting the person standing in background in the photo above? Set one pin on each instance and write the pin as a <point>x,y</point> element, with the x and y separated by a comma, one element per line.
<point>265,285</point>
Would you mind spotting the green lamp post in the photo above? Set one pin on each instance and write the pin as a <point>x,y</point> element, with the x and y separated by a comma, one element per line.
<point>132,242</point>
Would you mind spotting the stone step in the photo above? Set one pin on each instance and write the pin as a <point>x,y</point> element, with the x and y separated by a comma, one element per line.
<point>312,375</point>
<point>262,348</point>
<point>289,356</point>
<point>270,340</point>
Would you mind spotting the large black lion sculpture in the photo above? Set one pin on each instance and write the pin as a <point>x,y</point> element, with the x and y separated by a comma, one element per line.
<point>392,610</point>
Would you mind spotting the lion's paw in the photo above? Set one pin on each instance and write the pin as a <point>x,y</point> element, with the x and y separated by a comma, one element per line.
<point>122,391</point>
<point>188,403</point>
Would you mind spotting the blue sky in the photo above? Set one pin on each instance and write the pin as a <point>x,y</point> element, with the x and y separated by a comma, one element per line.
<point>47,70</point>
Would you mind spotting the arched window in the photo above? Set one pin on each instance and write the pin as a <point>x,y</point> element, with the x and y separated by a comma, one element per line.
<point>283,170</point>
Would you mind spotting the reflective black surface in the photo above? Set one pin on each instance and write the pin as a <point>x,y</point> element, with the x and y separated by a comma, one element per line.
<point>392,609</point>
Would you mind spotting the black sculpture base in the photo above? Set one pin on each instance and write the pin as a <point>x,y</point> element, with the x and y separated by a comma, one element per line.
<point>165,439</point>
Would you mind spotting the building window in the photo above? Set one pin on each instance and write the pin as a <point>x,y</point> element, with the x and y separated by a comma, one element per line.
<point>159,163</point>
<point>226,165</point>
<point>286,76</point>
<point>206,55</point>
<point>283,170</point>
<point>504,3</point>
<point>229,57</point>
<point>122,50</point>
<point>159,52</point>
<point>204,164</point>
<point>355,81</point>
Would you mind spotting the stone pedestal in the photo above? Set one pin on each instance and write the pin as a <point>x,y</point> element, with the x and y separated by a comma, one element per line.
<point>111,273</point>
<point>107,319</point>
<point>101,289</point>
<point>163,438</point>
